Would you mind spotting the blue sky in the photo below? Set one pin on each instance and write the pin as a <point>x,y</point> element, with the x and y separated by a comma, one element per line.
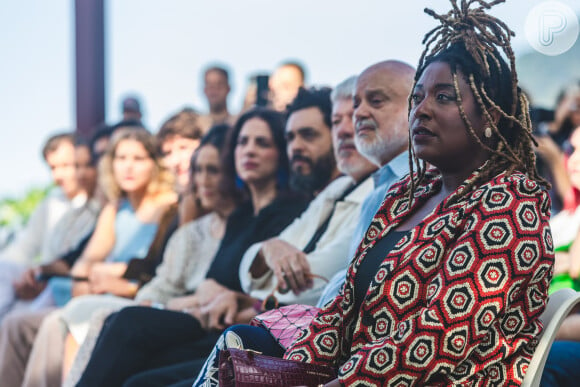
<point>157,49</point>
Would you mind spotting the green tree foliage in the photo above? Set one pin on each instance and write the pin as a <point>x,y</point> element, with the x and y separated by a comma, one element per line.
<point>15,212</point>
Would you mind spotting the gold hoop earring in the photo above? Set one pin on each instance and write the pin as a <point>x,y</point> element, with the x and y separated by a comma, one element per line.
<point>488,132</point>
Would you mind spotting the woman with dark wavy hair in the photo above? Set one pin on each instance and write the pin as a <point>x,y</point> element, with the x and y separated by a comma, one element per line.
<point>140,338</point>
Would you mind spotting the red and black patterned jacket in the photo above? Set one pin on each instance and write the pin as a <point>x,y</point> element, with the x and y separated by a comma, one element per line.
<point>455,302</point>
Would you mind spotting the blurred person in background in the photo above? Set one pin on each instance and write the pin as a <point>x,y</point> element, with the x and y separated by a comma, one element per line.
<point>175,143</point>
<point>216,88</point>
<point>131,109</point>
<point>75,225</point>
<point>69,238</point>
<point>178,138</point>
<point>139,192</point>
<point>566,114</point>
<point>284,84</point>
<point>34,244</point>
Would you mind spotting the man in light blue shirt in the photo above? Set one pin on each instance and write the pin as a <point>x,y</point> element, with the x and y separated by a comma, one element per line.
<point>380,103</point>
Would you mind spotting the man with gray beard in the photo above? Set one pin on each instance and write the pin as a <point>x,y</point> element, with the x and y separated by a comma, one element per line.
<point>381,135</point>
<point>380,114</point>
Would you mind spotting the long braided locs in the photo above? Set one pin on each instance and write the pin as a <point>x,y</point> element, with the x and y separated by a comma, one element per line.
<point>472,41</point>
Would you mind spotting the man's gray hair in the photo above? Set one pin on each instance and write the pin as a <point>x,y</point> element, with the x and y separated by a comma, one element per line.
<point>344,90</point>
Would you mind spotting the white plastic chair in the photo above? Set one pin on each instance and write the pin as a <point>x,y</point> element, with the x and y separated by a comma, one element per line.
<point>558,308</point>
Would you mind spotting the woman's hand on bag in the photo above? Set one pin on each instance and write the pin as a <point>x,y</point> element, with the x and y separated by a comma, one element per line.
<point>289,264</point>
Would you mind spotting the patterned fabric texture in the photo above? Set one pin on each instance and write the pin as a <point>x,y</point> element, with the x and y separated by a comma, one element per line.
<point>286,323</point>
<point>456,301</point>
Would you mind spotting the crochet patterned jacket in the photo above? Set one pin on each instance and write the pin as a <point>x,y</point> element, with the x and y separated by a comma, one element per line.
<point>455,302</point>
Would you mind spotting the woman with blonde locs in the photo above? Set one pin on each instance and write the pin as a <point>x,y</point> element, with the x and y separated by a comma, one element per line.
<point>462,252</point>
<point>449,281</point>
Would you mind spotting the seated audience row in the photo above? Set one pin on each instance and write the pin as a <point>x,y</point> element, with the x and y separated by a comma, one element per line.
<point>141,197</point>
<point>406,205</point>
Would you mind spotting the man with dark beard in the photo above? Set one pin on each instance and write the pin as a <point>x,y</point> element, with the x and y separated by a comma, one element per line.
<point>308,133</point>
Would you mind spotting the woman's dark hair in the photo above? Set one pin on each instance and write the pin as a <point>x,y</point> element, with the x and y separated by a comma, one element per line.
<point>469,41</point>
<point>216,137</point>
<point>276,123</point>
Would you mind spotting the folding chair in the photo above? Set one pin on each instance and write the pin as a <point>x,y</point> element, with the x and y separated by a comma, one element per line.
<point>558,308</point>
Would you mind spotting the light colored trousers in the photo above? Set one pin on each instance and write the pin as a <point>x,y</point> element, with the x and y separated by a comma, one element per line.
<point>24,361</point>
<point>10,272</point>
